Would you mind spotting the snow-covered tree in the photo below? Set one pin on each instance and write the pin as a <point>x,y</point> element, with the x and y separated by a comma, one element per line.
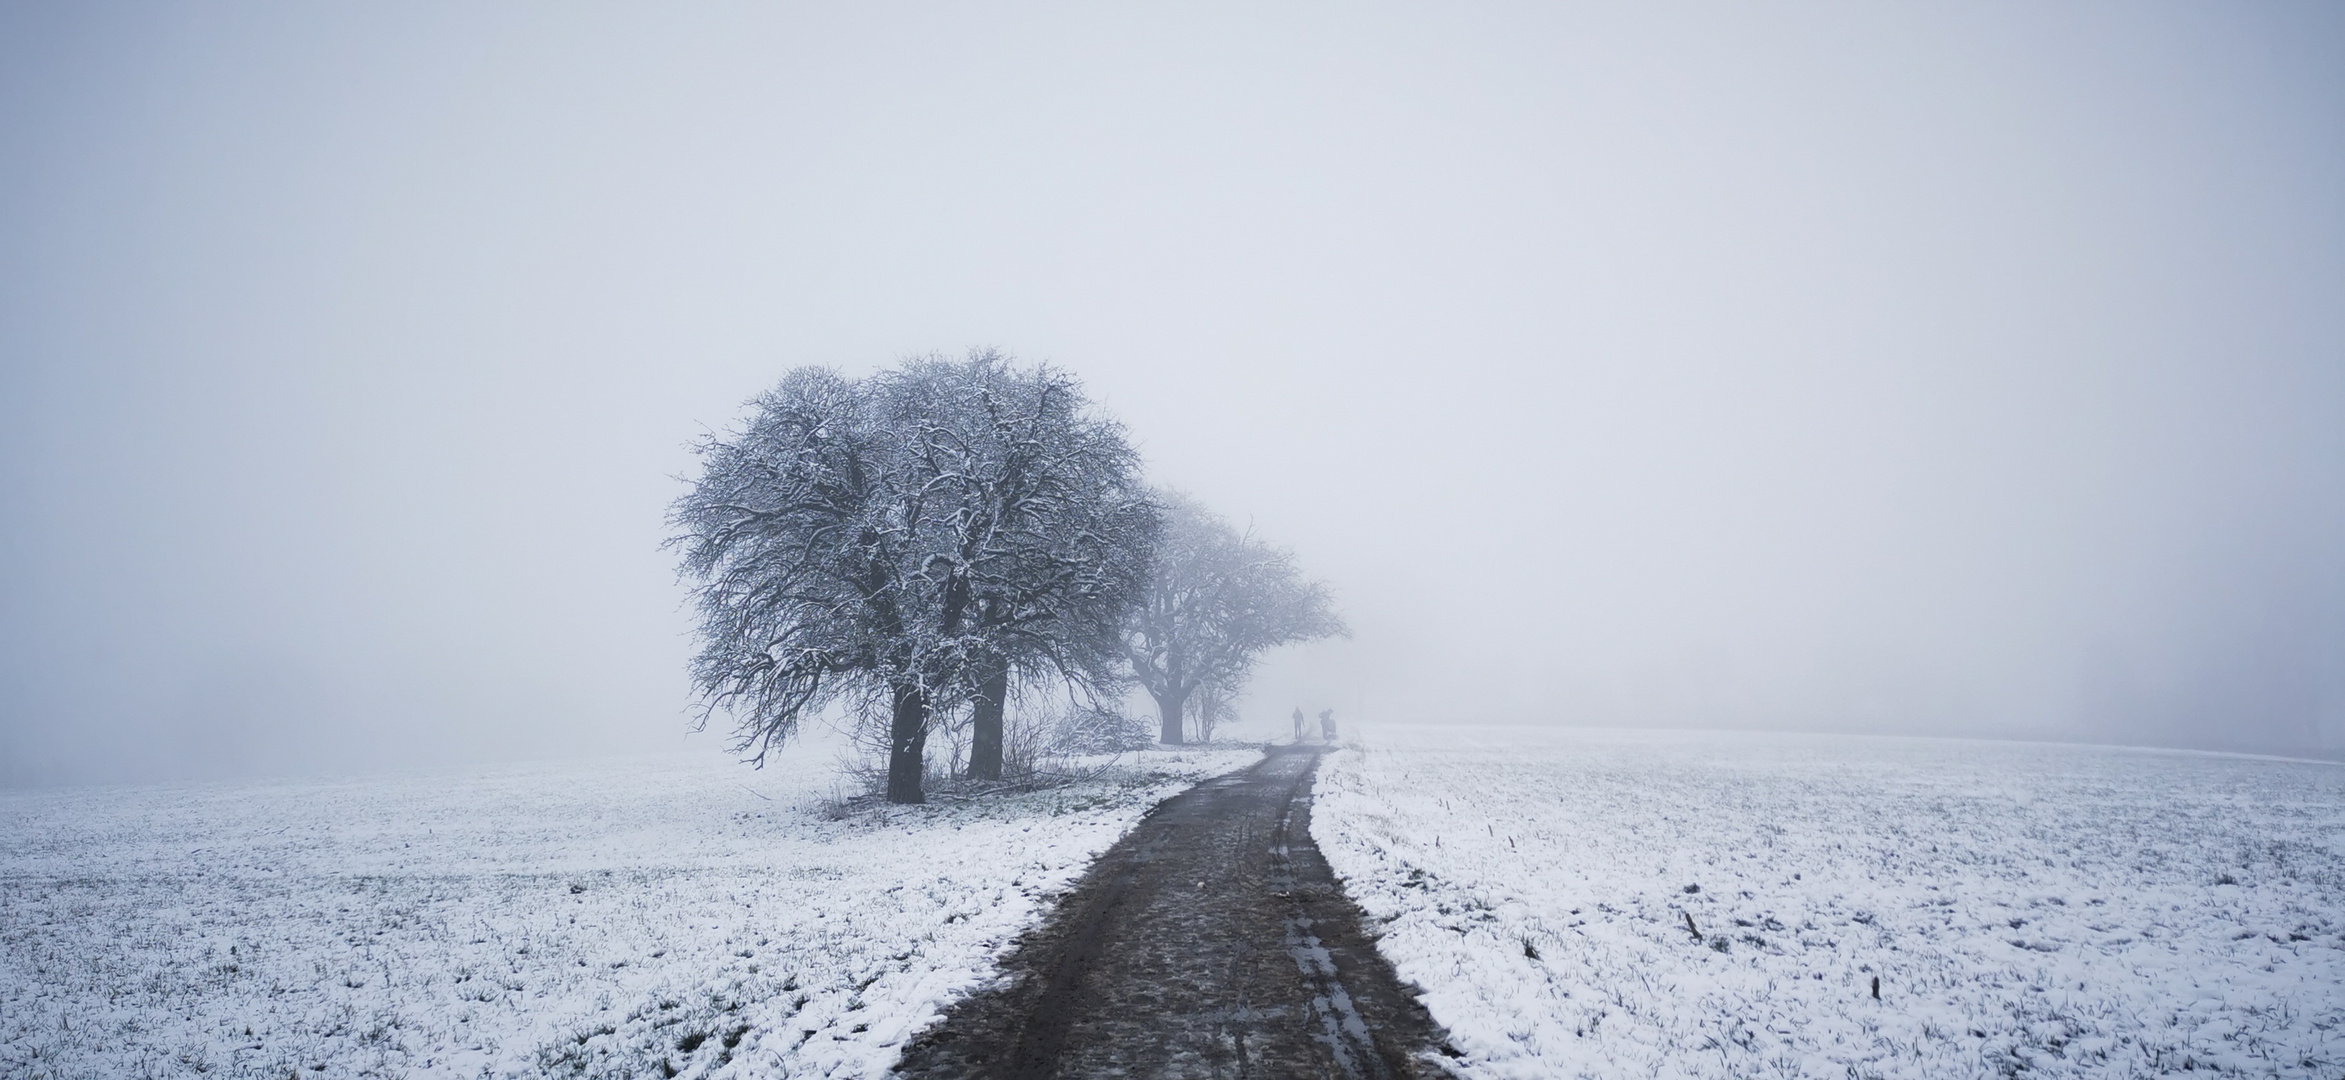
<point>908,539</point>
<point>1217,598</point>
<point>1053,535</point>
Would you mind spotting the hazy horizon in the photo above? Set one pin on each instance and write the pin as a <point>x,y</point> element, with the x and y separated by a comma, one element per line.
<point>1965,370</point>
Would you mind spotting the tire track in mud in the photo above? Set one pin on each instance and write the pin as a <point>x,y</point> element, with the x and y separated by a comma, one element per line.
<point>1212,941</point>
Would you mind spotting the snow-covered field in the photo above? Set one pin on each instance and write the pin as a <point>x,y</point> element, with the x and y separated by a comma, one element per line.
<point>605,919</point>
<point>2029,909</point>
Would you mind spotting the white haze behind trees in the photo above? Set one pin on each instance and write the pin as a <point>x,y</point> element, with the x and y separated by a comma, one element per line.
<point>1959,369</point>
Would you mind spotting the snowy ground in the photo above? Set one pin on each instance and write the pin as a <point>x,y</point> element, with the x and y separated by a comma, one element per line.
<point>618,919</point>
<point>2029,909</point>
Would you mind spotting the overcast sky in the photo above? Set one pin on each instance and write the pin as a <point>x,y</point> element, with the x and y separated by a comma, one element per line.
<point>1957,369</point>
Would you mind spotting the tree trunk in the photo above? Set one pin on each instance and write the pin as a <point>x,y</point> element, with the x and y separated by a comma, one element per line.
<point>985,724</point>
<point>1168,706</point>
<point>907,746</point>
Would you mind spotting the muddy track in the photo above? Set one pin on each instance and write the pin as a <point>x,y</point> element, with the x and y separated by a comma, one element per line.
<point>1213,941</point>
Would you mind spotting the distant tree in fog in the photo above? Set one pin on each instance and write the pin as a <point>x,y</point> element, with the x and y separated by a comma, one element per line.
<point>1216,599</point>
<point>910,538</point>
<point>1211,704</point>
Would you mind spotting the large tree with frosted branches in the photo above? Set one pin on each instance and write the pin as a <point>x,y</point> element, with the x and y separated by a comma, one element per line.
<point>909,540</point>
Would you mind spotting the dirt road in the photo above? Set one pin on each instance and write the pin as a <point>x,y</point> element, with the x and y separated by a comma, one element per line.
<point>1212,941</point>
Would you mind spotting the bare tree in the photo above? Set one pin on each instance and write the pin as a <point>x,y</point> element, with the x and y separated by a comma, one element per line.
<point>1052,532</point>
<point>1216,599</point>
<point>906,540</point>
<point>1209,705</point>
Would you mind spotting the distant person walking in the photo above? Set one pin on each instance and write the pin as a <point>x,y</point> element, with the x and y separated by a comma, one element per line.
<point>1327,725</point>
<point>1298,723</point>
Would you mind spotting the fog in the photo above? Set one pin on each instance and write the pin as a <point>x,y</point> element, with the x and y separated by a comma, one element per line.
<point>1955,369</point>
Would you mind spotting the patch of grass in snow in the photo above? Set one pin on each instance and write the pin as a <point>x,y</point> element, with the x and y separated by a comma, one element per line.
<point>2027,910</point>
<point>669,917</point>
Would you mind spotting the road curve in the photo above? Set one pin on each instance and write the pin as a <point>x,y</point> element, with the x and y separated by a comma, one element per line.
<point>1212,941</point>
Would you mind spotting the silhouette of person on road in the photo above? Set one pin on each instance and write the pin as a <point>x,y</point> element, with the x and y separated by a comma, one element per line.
<point>1298,723</point>
<point>1327,725</point>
